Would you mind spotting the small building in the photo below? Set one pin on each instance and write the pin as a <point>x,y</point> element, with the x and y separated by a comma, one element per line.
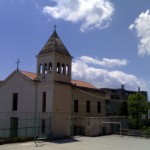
<point>49,103</point>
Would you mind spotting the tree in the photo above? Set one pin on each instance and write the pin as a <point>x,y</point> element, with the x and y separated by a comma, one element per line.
<point>137,105</point>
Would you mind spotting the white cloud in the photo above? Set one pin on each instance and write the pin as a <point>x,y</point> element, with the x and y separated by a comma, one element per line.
<point>104,78</point>
<point>91,13</point>
<point>142,27</point>
<point>106,62</point>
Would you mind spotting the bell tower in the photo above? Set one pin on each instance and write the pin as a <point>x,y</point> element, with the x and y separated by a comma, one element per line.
<point>54,72</point>
<point>54,61</point>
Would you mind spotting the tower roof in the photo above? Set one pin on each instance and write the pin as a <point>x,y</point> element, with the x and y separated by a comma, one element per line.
<point>54,44</point>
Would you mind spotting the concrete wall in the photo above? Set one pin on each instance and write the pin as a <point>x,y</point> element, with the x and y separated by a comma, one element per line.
<point>25,90</point>
<point>26,105</point>
<point>94,126</point>
<point>82,97</point>
<point>66,61</point>
<point>61,110</point>
<point>54,59</point>
<point>47,87</point>
<point>26,99</point>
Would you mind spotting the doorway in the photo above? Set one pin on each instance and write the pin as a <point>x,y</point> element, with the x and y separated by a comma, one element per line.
<point>13,127</point>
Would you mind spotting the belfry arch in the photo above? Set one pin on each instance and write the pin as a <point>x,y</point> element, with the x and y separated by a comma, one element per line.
<point>54,61</point>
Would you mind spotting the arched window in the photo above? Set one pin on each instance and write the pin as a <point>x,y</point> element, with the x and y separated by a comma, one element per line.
<point>62,69</point>
<point>50,67</point>
<point>40,69</point>
<point>45,68</point>
<point>58,68</point>
<point>67,69</point>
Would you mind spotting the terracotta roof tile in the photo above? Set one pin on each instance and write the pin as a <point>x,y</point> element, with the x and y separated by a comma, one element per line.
<point>83,84</point>
<point>32,76</point>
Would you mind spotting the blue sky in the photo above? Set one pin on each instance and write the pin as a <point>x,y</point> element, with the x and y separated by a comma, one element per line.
<point>109,40</point>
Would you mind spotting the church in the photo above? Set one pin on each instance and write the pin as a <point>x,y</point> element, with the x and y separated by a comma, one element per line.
<point>49,103</point>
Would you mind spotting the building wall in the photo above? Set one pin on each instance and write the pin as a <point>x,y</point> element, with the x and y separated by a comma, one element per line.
<point>26,99</point>
<point>94,126</point>
<point>61,110</point>
<point>54,59</point>
<point>25,90</point>
<point>66,61</point>
<point>47,87</point>
<point>90,124</point>
<point>42,59</point>
<point>83,97</point>
<point>112,107</point>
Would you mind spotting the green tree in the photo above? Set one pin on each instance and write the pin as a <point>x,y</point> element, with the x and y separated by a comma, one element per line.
<point>137,105</point>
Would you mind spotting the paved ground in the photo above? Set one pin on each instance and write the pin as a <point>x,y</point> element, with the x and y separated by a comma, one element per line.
<point>112,142</point>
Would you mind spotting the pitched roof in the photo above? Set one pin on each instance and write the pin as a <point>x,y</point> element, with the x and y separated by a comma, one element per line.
<point>32,76</point>
<point>83,84</point>
<point>54,44</point>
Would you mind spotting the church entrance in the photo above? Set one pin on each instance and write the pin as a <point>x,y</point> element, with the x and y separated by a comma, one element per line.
<point>13,127</point>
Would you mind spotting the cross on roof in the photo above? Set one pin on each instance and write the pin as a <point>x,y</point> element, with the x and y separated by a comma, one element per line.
<point>18,62</point>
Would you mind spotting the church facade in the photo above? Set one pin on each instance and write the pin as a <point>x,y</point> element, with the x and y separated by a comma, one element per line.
<point>49,103</point>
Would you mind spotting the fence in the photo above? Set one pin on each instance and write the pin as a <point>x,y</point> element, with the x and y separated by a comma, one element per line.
<point>24,124</point>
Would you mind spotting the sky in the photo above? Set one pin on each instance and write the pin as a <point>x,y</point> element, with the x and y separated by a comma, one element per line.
<point>108,39</point>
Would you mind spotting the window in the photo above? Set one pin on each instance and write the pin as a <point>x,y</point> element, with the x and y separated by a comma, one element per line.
<point>50,67</point>
<point>76,106</point>
<point>62,69</point>
<point>43,125</point>
<point>99,107</point>
<point>15,102</point>
<point>44,102</point>
<point>87,106</point>
<point>58,68</point>
<point>67,69</point>
<point>45,68</point>
<point>40,68</point>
